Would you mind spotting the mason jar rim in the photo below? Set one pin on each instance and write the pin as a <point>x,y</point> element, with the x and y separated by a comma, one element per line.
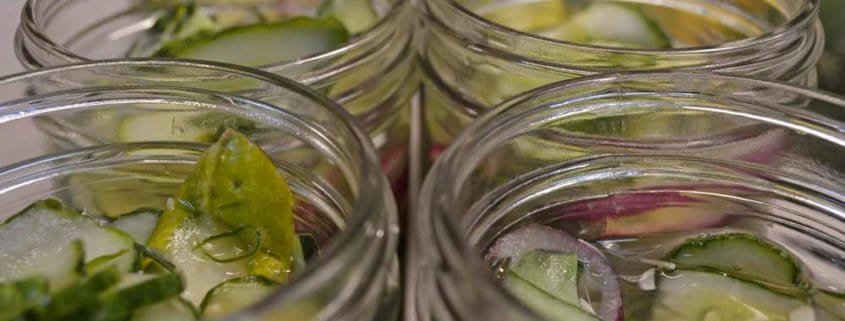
<point>384,25</point>
<point>371,178</point>
<point>811,122</point>
<point>450,240</point>
<point>803,19</point>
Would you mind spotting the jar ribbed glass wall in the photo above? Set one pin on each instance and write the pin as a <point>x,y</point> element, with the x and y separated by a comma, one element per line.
<point>69,137</point>
<point>372,75</point>
<point>475,54</point>
<point>723,155</point>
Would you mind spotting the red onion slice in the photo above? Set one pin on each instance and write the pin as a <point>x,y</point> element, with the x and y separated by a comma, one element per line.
<point>537,237</point>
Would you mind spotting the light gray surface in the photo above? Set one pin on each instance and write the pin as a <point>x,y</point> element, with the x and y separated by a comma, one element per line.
<point>10,11</point>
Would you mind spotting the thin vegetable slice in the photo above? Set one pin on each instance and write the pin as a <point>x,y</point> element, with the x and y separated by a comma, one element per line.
<point>356,15</point>
<point>537,237</point>
<point>544,303</point>
<point>17,297</point>
<point>262,44</point>
<point>694,295</point>
<point>611,24</point>
<point>739,255</point>
<point>134,291</point>
<point>69,300</point>
<point>554,273</point>
<point>38,239</point>
<point>138,224</point>
<point>176,309</point>
<point>233,295</point>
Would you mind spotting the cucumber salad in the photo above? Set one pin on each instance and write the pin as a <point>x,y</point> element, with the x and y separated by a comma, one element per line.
<point>222,243</point>
<point>255,36</point>
<point>733,276</point>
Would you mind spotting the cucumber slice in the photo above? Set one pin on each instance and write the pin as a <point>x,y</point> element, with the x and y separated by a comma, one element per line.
<point>169,125</point>
<point>238,244</point>
<point>37,239</point>
<point>543,303</point>
<point>554,273</point>
<point>19,296</point>
<point>201,273</point>
<point>134,291</point>
<point>82,292</point>
<point>356,15</point>
<point>61,266</point>
<point>263,44</point>
<point>742,256</point>
<point>832,303</point>
<point>178,22</point>
<point>138,224</point>
<point>694,295</point>
<point>610,24</point>
<point>175,309</point>
<point>112,193</point>
<point>234,295</point>
<point>126,261</point>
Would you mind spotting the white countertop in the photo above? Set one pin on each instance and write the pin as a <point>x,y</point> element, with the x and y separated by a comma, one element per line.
<point>10,11</point>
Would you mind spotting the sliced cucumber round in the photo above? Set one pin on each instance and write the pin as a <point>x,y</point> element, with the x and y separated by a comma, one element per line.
<point>125,260</point>
<point>233,295</point>
<point>174,123</point>
<point>695,295</point>
<point>37,239</point>
<point>235,245</point>
<point>543,303</point>
<point>356,15</point>
<point>611,24</point>
<point>166,126</point>
<point>832,303</point>
<point>17,297</point>
<point>134,291</point>
<point>175,309</point>
<point>180,245</point>
<point>82,292</point>
<point>62,266</point>
<point>115,192</point>
<point>138,224</point>
<point>263,44</point>
<point>554,273</point>
<point>742,256</point>
<point>178,22</point>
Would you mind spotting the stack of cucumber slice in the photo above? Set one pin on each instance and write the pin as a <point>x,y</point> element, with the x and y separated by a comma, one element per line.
<point>223,242</point>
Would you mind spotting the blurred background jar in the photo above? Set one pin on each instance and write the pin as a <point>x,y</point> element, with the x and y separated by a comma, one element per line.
<point>477,53</point>
<point>832,63</point>
<point>742,156</point>
<point>85,134</point>
<point>358,52</point>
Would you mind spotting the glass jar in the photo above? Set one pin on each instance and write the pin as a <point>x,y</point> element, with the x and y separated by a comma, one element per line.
<point>70,135</point>
<point>470,63</point>
<point>739,155</point>
<point>372,75</point>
